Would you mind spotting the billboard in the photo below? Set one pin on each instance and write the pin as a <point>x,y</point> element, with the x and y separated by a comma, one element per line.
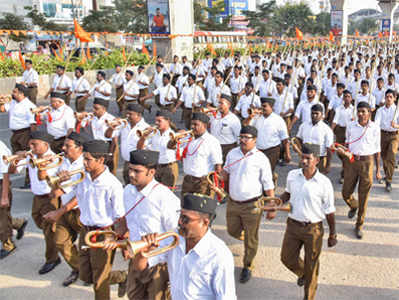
<point>385,25</point>
<point>158,16</point>
<point>225,10</point>
<point>336,21</point>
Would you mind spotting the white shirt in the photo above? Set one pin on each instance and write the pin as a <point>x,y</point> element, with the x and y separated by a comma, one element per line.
<point>369,98</point>
<point>168,91</point>
<point>271,131</point>
<point>379,95</point>
<point>100,200</point>
<point>246,102</point>
<point>206,272</point>
<point>311,200</point>
<point>67,165</point>
<point>257,81</point>
<point>103,87</point>
<point>203,154</point>
<point>117,79</point>
<point>79,86</point>
<point>129,138</point>
<point>384,117</point>
<point>159,142</point>
<point>249,176</point>
<point>158,79</point>
<point>30,76</point>
<point>343,115</point>
<point>20,116</point>
<point>62,81</point>
<point>267,88</point>
<point>156,212</point>
<point>176,68</point>
<point>237,84</point>
<point>62,120</point>
<point>4,151</point>
<point>284,102</point>
<point>226,129</point>
<point>335,102</point>
<point>131,88</point>
<point>363,140</point>
<point>191,94</point>
<point>99,127</point>
<point>144,79</point>
<point>215,93</point>
<point>303,110</point>
<point>319,134</point>
<point>181,82</point>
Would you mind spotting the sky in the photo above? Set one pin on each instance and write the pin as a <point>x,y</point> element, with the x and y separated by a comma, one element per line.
<point>355,5</point>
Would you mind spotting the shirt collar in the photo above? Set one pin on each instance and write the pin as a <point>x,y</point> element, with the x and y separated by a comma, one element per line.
<point>100,177</point>
<point>201,248</point>
<point>146,191</point>
<point>78,161</point>
<point>315,177</point>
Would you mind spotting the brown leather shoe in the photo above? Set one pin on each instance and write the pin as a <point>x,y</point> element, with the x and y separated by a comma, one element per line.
<point>71,278</point>
<point>122,289</point>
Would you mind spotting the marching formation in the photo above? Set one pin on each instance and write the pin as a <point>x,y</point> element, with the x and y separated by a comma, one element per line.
<point>240,117</point>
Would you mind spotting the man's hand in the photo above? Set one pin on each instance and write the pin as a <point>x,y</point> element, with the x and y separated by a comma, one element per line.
<point>4,202</point>
<point>54,215</point>
<point>287,157</point>
<point>332,240</point>
<point>270,215</point>
<point>378,174</point>
<point>327,170</point>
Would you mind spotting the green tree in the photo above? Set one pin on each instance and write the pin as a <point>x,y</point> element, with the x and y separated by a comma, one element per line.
<point>368,26</point>
<point>131,15</point>
<point>40,20</point>
<point>287,17</point>
<point>213,21</point>
<point>260,20</point>
<point>103,20</point>
<point>13,22</point>
<point>322,25</point>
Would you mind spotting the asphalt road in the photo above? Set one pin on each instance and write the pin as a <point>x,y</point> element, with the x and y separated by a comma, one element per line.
<point>364,269</point>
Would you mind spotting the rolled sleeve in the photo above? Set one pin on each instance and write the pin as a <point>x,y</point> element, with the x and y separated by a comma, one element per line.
<point>266,176</point>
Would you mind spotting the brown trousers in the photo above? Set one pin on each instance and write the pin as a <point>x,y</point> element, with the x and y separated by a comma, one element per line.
<point>121,102</point>
<point>20,140</point>
<point>226,149</point>
<point>234,98</point>
<point>40,206</point>
<point>243,221</point>
<point>187,115</point>
<point>311,237</point>
<point>150,284</point>
<point>360,171</point>
<point>168,174</point>
<point>193,184</point>
<point>157,101</point>
<point>112,162</point>
<point>273,154</point>
<point>7,223</point>
<point>340,138</point>
<point>142,93</point>
<point>57,144</point>
<point>31,93</point>
<point>389,148</point>
<point>80,103</point>
<point>95,266</point>
<point>66,232</point>
<point>322,165</point>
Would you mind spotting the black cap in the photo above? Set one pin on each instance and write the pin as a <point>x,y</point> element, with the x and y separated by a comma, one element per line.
<point>164,113</point>
<point>200,203</point>
<point>21,88</point>
<point>363,105</point>
<point>269,100</point>
<point>200,117</point>
<point>249,130</point>
<point>144,157</point>
<point>317,107</point>
<point>58,96</point>
<point>100,101</point>
<point>226,97</point>
<point>96,146</point>
<point>77,137</point>
<point>311,87</point>
<point>135,107</point>
<point>41,135</point>
<point>308,148</point>
<point>60,67</point>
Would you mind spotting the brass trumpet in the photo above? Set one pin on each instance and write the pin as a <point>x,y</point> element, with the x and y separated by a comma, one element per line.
<point>45,163</point>
<point>148,132</point>
<point>180,136</point>
<point>81,115</point>
<point>205,110</point>
<point>15,157</point>
<point>272,204</point>
<point>116,122</point>
<point>296,145</point>
<point>5,99</point>
<point>39,109</point>
<point>56,181</point>
<point>341,149</point>
<point>132,247</point>
<point>211,180</point>
<point>255,111</point>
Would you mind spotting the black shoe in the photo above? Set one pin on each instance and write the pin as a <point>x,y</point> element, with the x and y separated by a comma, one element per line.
<point>352,213</point>
<point>71,278</point>
<point>21,230</point>
<point>341,180</point>
<point>301,281</point>
<point>150,108</point>
<point>86,283</point>
<point>388,187</point>
<point>245,275</point>
<point>122,289</point>
<point>4,253</point>
<point>26,186</point>
<point>47,267</point>
<point>359,233</point>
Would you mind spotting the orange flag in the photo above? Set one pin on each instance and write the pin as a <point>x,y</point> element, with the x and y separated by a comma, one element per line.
<point>88,54</point>
<point>211,49</point>
<point>331,37</point>
<point>154,49</point>
<point>386,33</point>
<point>144,50</point>
<point>79,32</point>
<point>83,58</point>
<point>56,54</point>
<point>21,59</point>
<point>230,46</point>
<point>380,34</point>
<point>299,34</point>
<point>2,56</point>
<point>124,54</point>
<point>357,34</point>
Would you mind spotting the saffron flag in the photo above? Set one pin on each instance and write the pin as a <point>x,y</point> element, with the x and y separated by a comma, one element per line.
<point>299,34</point>
<point>331,37</point>
<point>79,32</point>
<point>211,49</point>
<point>21,59</point>
<point>88,54</point>
<point>154,50</point>
<point>124,54</point>
<point>357,34</point>
<point>144,50</point>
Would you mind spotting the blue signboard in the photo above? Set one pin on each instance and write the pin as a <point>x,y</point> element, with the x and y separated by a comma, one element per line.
<point>385,25</point>
<point>231,7</point>
<point>213,3</point>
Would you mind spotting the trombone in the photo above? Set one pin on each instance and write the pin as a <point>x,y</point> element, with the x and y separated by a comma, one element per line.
<point>212,178</point>
<point>56,181</point>
<point>272,204</point>
<point>296,145</point>
<point>45,163</point>
<point>4,99</point>
<point>148,132</point>
<point>180,136</point>
<point>12,158</point>
<point>39,109</point>
<point>134,247</point>
<point>116,122</point>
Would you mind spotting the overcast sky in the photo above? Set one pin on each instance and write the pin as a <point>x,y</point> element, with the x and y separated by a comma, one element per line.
<point>355,5</point>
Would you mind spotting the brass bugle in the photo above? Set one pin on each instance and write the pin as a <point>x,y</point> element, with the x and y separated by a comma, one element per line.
<point>56,181</point>
<point>272,204</point>
<point>47,162</point>
<point>255,111</point>
<point>116,122</point>
<point>132,247</point>
<point>83,114</point>
<point>150,131</point>
<point>218,190</point>
<point>12,158</point>
<point>5,99</point>
<point>39,109</point>
<point>179,136</point>
<point>296,145</point>
<point>341,149</point>
<point>205,110</point>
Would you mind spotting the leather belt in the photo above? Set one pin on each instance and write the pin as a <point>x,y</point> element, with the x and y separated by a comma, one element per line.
<point>303,224</point>
<point>246,201</point>
<point>130,100</point>
<point>271,148</point>
<point>343,127</point>
<point>21,130</point>
<point>389,132</point>
<point>166,165</point>
<point>91,228</point>
<point>363,157</point>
